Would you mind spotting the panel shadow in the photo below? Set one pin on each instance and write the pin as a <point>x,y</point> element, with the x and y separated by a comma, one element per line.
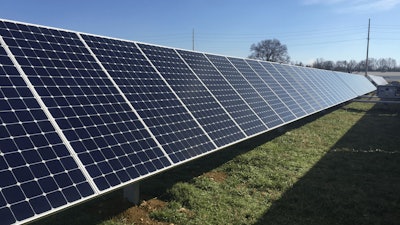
<point>356,182</point>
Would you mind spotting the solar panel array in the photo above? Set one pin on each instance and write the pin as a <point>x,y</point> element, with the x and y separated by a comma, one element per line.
<point>81,115</point>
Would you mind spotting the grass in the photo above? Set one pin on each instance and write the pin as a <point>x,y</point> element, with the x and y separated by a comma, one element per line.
<point>339,168</point>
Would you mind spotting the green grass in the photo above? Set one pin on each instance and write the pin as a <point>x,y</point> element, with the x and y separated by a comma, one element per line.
<point>339,168</point>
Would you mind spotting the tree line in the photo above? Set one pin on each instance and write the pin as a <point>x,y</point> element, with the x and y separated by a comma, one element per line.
<point>272,50</point>
<point>349,66</point>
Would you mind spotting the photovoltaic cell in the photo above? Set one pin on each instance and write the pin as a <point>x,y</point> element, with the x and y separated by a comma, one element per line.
<point>224,93</point>
<point>337,85</point>
<point>358,83</point>
<point>104,132</point>
<point>279,90</point>
<point>244,89</point>
<point>291,86</point>
<point>309,93</point>
<point>194,95</point>
<point>155,102</point>
<point>37,172</point>
<point>265,90</point>
<point>317,85</point>
<point>326,83</point>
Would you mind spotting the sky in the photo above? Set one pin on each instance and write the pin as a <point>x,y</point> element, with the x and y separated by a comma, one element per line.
<point>311,29</point>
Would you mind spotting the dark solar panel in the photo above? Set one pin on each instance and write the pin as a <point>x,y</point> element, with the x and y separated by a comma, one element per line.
<point>237,108</point>
<point>106,135</point>
<point>317,86</point>
<point>230,70</point>
<point>220,127</point>
<point>169,121</point>
<point>294,90</point>
<point>309,93</point>
<point>37,172</point>
<point>267,91</point>
<point>268,75</point>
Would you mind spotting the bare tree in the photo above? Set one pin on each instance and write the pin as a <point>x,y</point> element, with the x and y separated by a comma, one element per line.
<point>318,63</point>
<point>270,50</point>
<point>382,65</point>
<point>391,64</point>
<point>360,66</point>
<point>329,65</point>
<point>351,66</point>
<point>372,64</point>
<point>341,65</point>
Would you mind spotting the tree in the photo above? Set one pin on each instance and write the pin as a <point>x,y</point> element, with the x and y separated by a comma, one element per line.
<point>391,64</point>
<point>329,65</point>
<point>382,64</point>
<point>351,66</point>
<point>318,63</point>
<point>270,50</point>
<point>341,65</point>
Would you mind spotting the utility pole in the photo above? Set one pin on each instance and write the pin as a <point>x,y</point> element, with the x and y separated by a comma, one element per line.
<point>193,39</point>
<point>366,60</point>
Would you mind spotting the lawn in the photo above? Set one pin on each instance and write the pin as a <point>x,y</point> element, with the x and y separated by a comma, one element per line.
<point>337,167</point>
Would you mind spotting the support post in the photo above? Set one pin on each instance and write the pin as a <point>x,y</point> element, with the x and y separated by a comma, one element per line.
<point>132,193</point>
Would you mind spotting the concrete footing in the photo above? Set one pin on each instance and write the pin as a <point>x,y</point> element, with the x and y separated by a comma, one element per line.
<point>132,193</point>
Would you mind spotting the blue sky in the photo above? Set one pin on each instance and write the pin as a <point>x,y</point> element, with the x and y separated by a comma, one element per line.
<point>329,29</point>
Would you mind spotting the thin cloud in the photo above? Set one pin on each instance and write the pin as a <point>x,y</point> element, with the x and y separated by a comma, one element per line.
<point>352,6</point>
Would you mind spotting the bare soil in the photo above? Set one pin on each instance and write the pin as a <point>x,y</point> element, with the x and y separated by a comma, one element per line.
<point>216,176</point>
<point>140,214</point>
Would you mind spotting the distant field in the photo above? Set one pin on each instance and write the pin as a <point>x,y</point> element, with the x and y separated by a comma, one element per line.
<point>389,76</point>
<point>342,167</point>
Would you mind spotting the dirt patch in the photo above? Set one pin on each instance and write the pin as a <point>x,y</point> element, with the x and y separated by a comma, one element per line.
<point>216,176</point>
<point>140,214</point>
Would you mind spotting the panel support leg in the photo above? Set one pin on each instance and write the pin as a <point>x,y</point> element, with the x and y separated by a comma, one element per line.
<point>132,193</point>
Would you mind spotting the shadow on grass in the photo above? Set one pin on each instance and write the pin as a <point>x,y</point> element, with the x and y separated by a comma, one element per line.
<point>356,182</point>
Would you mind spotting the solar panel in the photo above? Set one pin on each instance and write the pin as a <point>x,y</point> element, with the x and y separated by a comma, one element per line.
<point>271,76</point>
<point>81,115</point>
<point>319,84</point>
<point>336,86</point>
<point>293,89</point>
<point>104,132</point>
<point>309,93</point>
<point>247,92</point>
<point>37,171</point>
<point>315,88</point>
<point>194,95</point>
<point>358,83</point>
<point>170,122</point>
<point>237,108</point>
<point>378,80</point>
<point>280,107</point>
